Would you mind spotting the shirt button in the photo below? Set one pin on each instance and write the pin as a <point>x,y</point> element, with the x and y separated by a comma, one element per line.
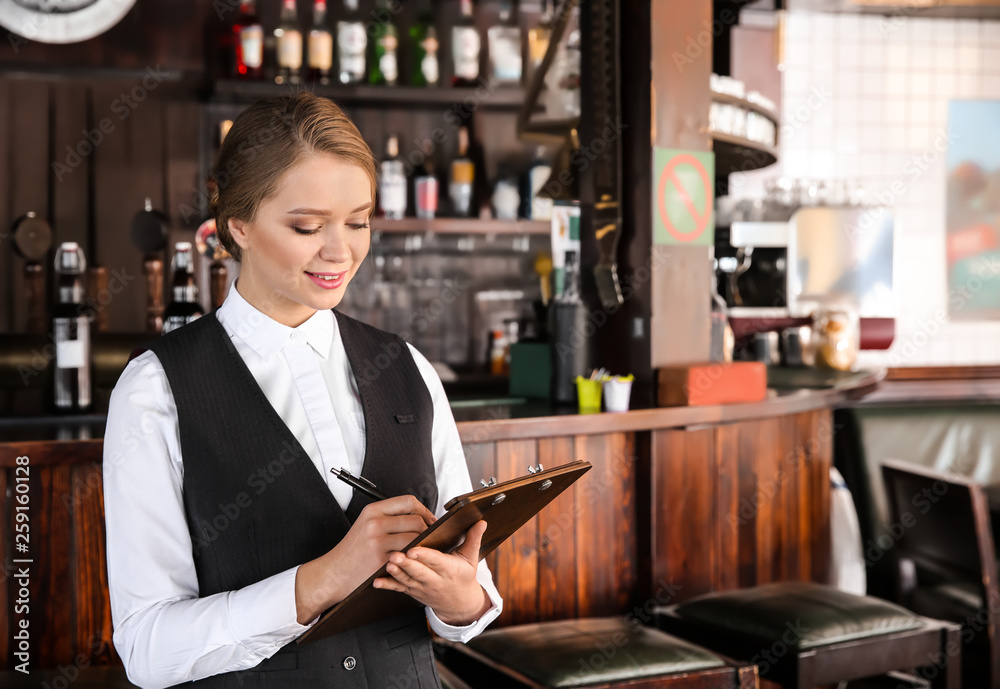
<point>294,336</point>
<point>350,663</point>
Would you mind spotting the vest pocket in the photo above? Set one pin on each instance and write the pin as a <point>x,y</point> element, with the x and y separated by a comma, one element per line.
<point>407,633</point>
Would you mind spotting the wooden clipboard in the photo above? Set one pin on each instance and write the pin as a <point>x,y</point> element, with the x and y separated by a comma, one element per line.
<point>506,507</point>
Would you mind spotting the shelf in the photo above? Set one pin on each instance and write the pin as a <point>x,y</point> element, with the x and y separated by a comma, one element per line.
<point>746,105</point>
<point>485,96</point>
<point>462,226</point>
<point>737,154</point>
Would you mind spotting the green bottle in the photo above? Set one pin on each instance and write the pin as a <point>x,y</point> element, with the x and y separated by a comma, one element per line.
<point>424,42</point>
<point>385,41</point>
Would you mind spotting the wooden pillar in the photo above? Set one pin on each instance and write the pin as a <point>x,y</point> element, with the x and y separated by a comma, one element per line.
<point>681,44</point>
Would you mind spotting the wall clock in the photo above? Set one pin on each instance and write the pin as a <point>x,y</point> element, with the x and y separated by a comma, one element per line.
<point>61,21</point>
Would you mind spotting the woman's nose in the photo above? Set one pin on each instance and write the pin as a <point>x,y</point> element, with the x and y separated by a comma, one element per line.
<point>336,249</point>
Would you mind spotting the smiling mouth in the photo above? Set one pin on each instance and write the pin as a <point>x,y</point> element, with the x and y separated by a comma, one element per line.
<point>329,277</point>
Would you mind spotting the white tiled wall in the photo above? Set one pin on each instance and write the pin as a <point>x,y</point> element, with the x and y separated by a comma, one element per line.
<point>863,98</point>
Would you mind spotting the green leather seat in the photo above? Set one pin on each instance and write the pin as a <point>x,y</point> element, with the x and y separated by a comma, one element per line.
<point>571,653</point>
<point>800,614</point>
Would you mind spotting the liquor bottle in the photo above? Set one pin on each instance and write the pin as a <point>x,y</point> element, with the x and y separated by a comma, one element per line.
<point>534,206</point>
<point>424,42</point>
<point>71,332</point>
<point>351,43</point>
<point>320,46</point>
<point>185,306</point>
<point>288,45</point>
<point>463,174</point>
<point>392,186</point>
<point>248,43</point>
<point>385,42</point>
<point>465,45</point>
<point>426,187</point>
<point>505,48</point>
<point>538,41</point>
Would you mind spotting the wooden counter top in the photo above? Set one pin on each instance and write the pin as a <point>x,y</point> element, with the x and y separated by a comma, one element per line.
<point>487,424</point>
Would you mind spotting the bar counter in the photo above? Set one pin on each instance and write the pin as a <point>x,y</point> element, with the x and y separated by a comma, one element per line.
<point>680,501</point>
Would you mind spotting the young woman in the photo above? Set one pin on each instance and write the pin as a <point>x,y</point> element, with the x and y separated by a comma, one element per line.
<point>227,533</point>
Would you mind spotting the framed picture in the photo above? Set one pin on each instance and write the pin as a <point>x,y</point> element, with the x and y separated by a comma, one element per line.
<point>972,236</point>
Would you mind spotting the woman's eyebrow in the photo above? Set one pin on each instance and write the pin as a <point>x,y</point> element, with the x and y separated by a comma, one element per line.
<point>325,213</point>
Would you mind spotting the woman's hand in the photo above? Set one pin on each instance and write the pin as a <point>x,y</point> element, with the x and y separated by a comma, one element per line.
<point>382,528</point>
<point>444,582</point>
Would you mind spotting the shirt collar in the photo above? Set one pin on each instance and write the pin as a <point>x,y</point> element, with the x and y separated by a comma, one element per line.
<point>267,336</point>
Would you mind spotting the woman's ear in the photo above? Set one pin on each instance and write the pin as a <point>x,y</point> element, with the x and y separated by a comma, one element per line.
<point>238,231</point>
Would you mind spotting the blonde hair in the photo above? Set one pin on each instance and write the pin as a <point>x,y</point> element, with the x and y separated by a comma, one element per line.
<point>265,141</point>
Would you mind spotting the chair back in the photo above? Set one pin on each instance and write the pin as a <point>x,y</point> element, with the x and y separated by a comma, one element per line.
<point>942,542</point>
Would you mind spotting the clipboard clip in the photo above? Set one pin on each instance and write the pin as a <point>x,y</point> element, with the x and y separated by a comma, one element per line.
<point>488,484</point>
<point>535,469</point>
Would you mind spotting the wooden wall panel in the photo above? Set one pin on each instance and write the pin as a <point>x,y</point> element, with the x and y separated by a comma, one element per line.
<point>683,508</point>
<point>605,534</point>
<point>819,458</point>
<point>741,504</point>
<point>92,620</point>
<point>6,567</point>
<point>517,558</point>
<point>557,561</point>
<point>6,242</point>
<point>50,516</point>
<point>747,446</point>
<point>70,203</point>
<point>28,169</point>
<point>728,513</point>
<point>482,463</point>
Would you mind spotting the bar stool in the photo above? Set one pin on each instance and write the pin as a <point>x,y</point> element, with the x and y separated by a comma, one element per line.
<point>598,653</point>
<point>802,634</point>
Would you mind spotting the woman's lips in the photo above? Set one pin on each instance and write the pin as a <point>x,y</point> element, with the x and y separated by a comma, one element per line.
<point>329,280</point>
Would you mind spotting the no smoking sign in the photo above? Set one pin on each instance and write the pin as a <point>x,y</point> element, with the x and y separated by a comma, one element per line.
<point>683,194</point>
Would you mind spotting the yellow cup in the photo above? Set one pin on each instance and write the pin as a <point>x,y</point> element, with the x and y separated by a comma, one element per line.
<point>588,392</point>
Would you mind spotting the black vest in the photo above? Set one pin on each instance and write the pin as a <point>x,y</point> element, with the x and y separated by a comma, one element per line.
<point>256,504</point>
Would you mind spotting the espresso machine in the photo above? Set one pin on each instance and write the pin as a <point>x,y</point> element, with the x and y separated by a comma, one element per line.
<point>779,263</point>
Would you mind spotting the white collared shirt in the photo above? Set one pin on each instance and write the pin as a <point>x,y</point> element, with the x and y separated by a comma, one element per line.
<point>165,633</point>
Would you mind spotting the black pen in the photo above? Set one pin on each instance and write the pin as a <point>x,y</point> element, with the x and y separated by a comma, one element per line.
<point>360,483</point>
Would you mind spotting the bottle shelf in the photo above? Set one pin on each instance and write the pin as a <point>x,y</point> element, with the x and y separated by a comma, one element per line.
<point>462,226</point>
<point>487,95</point>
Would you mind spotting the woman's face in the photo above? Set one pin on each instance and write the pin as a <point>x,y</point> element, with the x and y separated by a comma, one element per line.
<point>308,240</point>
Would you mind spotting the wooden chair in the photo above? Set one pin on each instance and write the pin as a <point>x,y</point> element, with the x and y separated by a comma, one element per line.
<point>597,653</point>
<point>942,544</point>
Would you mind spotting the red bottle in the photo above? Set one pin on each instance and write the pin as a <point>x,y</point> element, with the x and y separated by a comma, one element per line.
<point>248,43</point>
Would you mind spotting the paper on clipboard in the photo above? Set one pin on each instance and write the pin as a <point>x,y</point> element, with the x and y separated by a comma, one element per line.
<point>506,507</point>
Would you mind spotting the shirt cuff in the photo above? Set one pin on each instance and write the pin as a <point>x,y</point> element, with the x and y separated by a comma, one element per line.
<point>471,630</point>
<point>264,616</point>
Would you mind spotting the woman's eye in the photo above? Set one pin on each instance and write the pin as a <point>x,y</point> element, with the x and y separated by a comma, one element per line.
<point>359,226</point>
<point>305,230</point>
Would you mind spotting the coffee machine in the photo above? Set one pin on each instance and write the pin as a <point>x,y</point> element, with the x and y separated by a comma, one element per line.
<point>775,271</point>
